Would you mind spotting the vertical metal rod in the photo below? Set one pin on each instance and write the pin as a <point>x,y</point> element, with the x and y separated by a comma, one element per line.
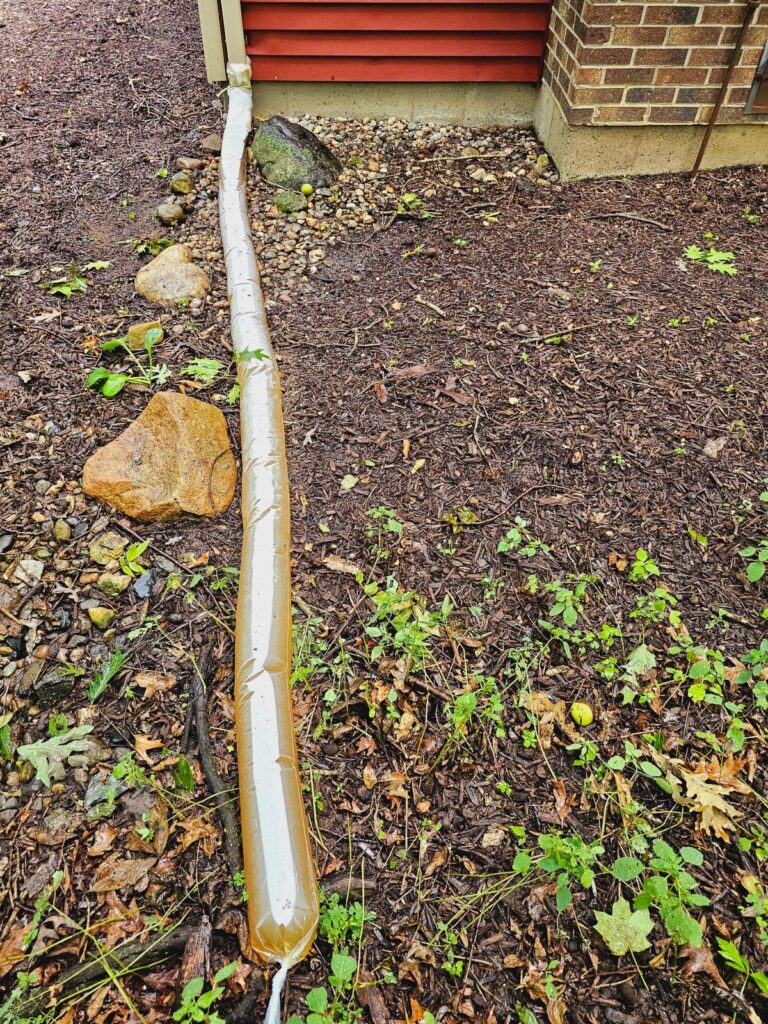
<point>749,10</point>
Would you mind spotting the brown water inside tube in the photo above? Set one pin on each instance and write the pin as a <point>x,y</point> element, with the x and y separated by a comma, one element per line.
<point>280,876</point>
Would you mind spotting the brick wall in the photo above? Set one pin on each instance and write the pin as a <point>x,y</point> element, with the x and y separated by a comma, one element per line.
<point>655,62</point>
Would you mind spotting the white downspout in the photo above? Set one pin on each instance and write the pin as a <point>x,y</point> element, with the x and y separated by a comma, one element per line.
<point>280,876</point>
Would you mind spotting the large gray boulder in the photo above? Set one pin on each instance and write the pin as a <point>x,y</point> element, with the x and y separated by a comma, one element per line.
<point>290,156</point>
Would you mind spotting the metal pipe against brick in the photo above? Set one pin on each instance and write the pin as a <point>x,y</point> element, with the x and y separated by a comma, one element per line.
<point>750,8</point>
<point>280,875</point>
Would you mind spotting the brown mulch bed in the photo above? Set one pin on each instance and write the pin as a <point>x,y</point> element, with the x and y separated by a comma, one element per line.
<point>498,371</point>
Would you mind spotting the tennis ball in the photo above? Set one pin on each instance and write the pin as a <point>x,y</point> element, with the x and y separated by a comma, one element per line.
<point>306,189</point>
<point>581,713</point>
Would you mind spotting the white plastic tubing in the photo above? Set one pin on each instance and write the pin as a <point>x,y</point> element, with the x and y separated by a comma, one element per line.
<point>280,876</point>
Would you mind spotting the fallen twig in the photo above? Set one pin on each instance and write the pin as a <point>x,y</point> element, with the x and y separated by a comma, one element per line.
<point>212,778</point>
<point>632,216</point>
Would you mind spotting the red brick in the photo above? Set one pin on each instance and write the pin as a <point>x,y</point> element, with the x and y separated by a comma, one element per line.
<point>661,57</point>
<point>595,34</point>
<point>681,76</point>
<point>632,35</point>
<point>698,96</point>
<point>590,97</point>
<point>621,115</point>
<point>613,14</point>
<point>737,97</point>
<point>605,55</point>
<point>693,35</point>
<point>756,36</point>
<point>672,115</point>
<point>649,94</point>
<point>751,55</point>
<point>628,76</point>
<point>581,115</point>
<point>670,14</point>
<point>722,14</point>
<point>740,76</point>
<point>589,76</point>
<point>705,57</point>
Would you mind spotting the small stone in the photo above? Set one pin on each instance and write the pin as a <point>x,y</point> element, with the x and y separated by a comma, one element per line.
<point>113,583</point>
<point>190,163</point>
<point>142,587</point>
<point>211,143</point>
<point>101,617</point>
<point>62,531</point>
<point>169,214</point>
<point>182,183</point>
<point>53,687</point>
<point>138,332</point>
<point>107,548</point>
<point>29,570</point>
<point>290,202</point>
<point>173,459</point>
<point>43,486</point>
<point>172,277</point>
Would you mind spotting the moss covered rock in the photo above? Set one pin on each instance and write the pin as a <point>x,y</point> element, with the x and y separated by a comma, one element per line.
<point>290,156</point>
<point>290,202</point>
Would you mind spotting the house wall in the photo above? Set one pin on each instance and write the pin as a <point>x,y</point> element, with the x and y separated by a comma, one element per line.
<point>659,62</point>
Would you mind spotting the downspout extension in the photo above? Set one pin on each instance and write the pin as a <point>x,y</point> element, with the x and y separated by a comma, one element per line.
<point>280,876</point>
<point>749,10</point>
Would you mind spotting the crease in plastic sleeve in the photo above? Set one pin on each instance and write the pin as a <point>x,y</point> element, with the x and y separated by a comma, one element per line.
<point>279,869</point>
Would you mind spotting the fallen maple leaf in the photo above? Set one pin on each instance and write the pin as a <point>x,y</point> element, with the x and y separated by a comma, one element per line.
<point>143,744</point>
<point>700,961</point>
<point>694,791</point>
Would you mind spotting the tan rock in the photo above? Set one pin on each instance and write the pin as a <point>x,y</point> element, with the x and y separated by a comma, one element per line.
<point>137,334</point>
<point>172,277</point>
<point>173,459</point>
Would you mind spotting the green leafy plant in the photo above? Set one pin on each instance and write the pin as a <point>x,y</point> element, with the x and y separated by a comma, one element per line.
<point>758,558</point>
<point>151,246</point>
<point>738,962</point>
<point>74,280</point>
<point>203,369</point>
<point>569,597</point>
<point>129,561</point>
<point>672,890</point>
<point>196,1004</point>
<point>110,383</point>
<point>106,673</point>
<point>401,623</point>
<point>643,567</point>
<point>568,858</point>
<point>718,261</point>
<point>519,539</point>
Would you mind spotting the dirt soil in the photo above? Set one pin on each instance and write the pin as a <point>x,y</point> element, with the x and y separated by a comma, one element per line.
<point>534,431</point>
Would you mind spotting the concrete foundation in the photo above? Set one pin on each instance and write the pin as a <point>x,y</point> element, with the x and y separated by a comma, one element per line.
<point>608,151</point>
<point>480,104</point>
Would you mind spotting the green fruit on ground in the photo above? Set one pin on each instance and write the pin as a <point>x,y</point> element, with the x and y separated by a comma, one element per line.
<point>307,189</point>
<point>582,713</point>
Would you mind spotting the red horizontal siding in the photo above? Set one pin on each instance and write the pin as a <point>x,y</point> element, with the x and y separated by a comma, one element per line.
<point>396,17</point>
<point>396,41</point>
<point>384,44</point>
<point>393,69</point>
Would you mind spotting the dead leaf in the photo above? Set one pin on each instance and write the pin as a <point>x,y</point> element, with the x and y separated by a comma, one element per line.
<point>143,744</point>
<point>197,830</point>
<point>694,791</point>
<point>407,372</point>
<point>438,861</point>
<point>714,446</point>
<point>102,840</point>
<point>369,776</point>
<point>381,391</point>
<point>393,783</point>
<point>153,682</point>
<point>700,961</point>
<point>11,951</point>
<point>563,802</point>
<point>338,564</point>
<point>369,996</point>
<point>119,873</point>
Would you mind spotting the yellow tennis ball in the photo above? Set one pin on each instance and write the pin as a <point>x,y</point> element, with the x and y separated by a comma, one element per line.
<point>582,713</point>
<point>306,189</point>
